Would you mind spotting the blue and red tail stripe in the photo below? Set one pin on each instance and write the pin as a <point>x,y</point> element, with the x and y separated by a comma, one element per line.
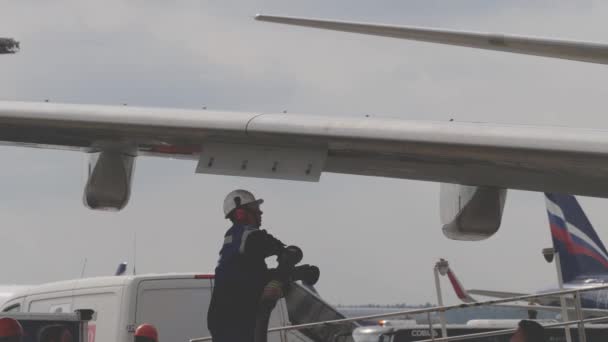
<point>573,243</point>
<point>582,253</point>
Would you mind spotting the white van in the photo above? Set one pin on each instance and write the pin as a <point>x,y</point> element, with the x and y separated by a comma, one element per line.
<point>175,303</point>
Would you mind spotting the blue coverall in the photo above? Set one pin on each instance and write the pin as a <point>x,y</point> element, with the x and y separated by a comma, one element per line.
<point>240,277</point>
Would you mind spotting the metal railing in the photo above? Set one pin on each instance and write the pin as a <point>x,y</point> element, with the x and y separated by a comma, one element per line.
<point>511,331</point>
<point>580,321</point>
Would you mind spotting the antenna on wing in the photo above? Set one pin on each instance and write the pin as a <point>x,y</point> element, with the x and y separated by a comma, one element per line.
<point>135,253</point>
<point>84,267</point>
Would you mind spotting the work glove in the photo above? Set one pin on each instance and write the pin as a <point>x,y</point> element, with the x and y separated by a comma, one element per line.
<point>308,274</point>
<point>289,257</point>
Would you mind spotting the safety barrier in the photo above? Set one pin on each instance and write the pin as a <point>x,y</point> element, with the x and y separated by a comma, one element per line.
<point>579,310</point>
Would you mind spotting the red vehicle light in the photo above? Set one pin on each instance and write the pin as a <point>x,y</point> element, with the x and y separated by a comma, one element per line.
<point>204,276</point>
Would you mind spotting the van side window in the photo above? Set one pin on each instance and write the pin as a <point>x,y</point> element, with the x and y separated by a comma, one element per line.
<point>13,308</point>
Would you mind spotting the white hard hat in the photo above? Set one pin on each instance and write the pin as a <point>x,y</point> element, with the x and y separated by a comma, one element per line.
<point>238,198</point>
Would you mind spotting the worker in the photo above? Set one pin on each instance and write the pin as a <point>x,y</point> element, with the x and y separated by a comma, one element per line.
<point>10,330</point>
<point>55,333</point>
<point>528,331</point>
<point>241,273</point>
<point>146,333</point>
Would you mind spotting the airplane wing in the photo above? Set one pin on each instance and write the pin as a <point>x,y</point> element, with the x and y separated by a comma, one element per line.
<point>469,211</point>
<point>496,294</point>
<point>548,301</point>
<point>563,49</point>
<point>545,303</point>
<point>557,309</point>
<point>465,295</point>
<point>302,147</point>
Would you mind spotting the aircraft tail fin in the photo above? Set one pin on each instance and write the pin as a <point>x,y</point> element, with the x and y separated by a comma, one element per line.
<point>122,269</point>
<point>460,291</point>
<point>462,294</point>
<point>581,252</point>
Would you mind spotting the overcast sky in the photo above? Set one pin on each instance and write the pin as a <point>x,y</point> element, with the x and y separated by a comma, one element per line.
<point>374,239</point>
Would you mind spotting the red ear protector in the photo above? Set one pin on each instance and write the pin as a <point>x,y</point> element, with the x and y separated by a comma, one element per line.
<point>240,215</point>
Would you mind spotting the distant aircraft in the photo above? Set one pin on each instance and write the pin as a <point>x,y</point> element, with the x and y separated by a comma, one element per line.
<point>476,162</point>
<point>583,257</point>
<point>121,270</point>
<point>8,45</point>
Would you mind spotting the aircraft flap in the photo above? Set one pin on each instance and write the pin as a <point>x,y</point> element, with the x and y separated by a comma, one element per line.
<point>263,161</point>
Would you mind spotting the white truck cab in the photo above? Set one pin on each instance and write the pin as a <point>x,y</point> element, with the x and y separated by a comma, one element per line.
<point>175,303</point>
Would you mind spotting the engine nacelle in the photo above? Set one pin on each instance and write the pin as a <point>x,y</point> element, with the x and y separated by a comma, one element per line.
<point>108,185</point>
<point>469,212</point>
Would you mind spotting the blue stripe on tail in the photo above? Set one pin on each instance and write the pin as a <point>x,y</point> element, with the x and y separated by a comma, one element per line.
<point>582,253</point>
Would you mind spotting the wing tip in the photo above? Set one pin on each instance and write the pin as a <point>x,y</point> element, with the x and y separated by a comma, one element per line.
<point>262,17</point>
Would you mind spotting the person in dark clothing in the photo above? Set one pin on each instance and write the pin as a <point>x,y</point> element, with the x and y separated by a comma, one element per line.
<point>241,273</point>
<point>529,331</point>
